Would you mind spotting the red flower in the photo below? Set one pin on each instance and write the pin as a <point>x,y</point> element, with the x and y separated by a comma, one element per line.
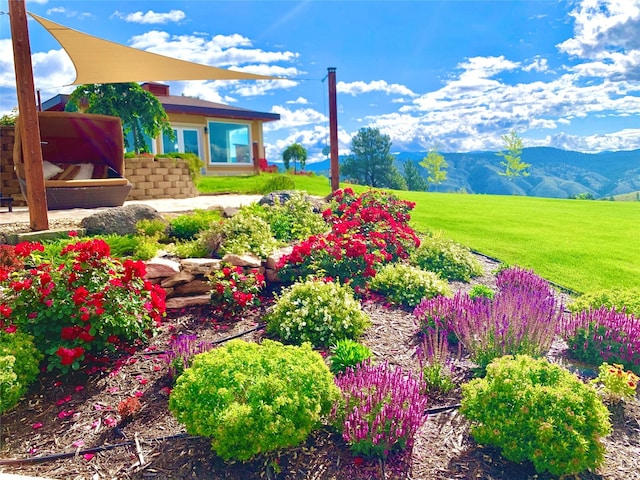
<point>5,310</point>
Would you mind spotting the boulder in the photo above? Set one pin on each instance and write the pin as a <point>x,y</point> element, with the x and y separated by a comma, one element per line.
<point>119,220</point>
<point>246,260</point>
<point>177,279</point>
<point>200,266</point>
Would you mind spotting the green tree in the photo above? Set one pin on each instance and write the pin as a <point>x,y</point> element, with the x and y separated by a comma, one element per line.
<point>9,118</point>
<point>415,182</point>
<point>513,165</point>
<point>140,111</point>
<point>297,153</point>
<point>436,167</point>
<point>370,162</point>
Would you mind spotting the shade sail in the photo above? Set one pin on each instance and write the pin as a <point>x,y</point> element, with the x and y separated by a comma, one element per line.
<point>100,61</point>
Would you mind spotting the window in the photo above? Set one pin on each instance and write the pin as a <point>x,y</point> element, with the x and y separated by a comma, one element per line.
<point>229,143</point>
<point>187,140</point>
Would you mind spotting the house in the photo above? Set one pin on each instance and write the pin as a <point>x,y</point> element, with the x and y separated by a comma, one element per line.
<point>227,139</point>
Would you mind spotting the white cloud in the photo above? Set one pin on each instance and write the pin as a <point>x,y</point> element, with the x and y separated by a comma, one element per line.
<point>151,17</point>
<point>537,65</point>
<point>627,139</point>
<point>261,87</point>
<point>357,88</point>
<point>56,10</point>
<point>298,101</point>
<point>607,34</point>
<point>220,50</point>
<point>295,118</point>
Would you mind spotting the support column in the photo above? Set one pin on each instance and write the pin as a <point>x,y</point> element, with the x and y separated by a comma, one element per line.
<point>28,123</point>
<point>333,130</point>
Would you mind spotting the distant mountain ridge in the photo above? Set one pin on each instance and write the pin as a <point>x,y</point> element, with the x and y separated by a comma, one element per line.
<point>553,173</point>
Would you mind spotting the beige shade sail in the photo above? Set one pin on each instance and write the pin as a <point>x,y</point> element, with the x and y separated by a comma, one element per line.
<point>101,61</point>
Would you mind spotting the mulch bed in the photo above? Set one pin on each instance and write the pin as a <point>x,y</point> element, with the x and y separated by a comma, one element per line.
<point>78,412</point>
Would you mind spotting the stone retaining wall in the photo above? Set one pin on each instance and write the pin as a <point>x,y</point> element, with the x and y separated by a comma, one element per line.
<point>185,281</point>
<point>159,178</point>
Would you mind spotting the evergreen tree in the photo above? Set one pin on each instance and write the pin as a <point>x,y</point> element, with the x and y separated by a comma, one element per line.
<point>415,182</point>
<point>370,162</point>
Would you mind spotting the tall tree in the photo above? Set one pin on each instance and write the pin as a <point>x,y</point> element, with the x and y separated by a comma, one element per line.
<point>297,153</point>
<point>370,162</point>
<point>512,163</point>
<point>140,111</point>
<point>436,167</point>
<point>415,182</point>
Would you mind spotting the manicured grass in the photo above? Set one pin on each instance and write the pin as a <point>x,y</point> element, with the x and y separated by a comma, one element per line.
<point>313,185</point>
<point>582,245</point>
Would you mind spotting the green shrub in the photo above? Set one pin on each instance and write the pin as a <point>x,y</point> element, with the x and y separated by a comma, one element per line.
<point>628,299</point>
<point>448,259</point>
<point>318,312</point>
<point>253,398</point>
<point>292,220</point>
<point>156,228</point>
<point>347,353</point>
<point>188,225</point>
<point>121,246</point>
<point>407,285</point>
<point>245,233</point>
<point>277,182</point>
<point>19,362</point>
<point>146,249</point>
<point>190,249</point>
<point>534,410</point>
<point>478,291</point>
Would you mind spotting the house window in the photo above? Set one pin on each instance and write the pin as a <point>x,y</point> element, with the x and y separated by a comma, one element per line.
<point>229,143</point>
<point>130,144</point>
<point>187,140</point>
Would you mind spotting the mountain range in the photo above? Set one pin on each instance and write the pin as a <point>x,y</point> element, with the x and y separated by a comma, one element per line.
<point>553,173</point>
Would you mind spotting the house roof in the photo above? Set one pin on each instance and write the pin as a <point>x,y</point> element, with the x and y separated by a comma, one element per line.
<point>185,105</point>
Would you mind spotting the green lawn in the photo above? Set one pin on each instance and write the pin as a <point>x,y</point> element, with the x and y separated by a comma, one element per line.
<point>580,244</point>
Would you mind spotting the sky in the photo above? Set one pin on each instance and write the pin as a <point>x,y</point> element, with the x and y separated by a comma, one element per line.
<point>452,75</point>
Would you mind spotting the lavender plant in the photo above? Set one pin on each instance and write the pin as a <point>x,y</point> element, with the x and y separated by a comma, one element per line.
<point>180,352</point>
<point>381,409</point>
<point>522,318</point>
<point>604,335</point>
<point>435,360</point>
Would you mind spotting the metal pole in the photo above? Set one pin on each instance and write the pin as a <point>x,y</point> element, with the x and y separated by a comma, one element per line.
<point>333,130</point>
<point>28,121</point>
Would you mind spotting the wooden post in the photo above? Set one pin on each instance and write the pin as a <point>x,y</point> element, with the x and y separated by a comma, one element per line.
<point>28,124</point>
<point>333,130</point>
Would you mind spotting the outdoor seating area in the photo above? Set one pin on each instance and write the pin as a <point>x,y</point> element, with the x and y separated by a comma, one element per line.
<point>83,160</point>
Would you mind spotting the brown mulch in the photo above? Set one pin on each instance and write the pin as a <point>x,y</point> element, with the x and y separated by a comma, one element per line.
<point>77,413</point>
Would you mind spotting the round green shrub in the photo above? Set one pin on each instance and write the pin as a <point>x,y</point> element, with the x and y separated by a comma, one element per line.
<point>535,410</point>
<point>318,312</point>
<point>407,285</point>
<point>253,398</point>
<point>277,182</point>
<point>447,258</point>
<point>478,291</point>
<point>246,233</point>
<point>629,299</point>
<point>347,353</point>
<point>19,362</point>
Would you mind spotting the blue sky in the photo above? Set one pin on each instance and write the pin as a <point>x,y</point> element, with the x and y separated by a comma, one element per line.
<point>456,75</point>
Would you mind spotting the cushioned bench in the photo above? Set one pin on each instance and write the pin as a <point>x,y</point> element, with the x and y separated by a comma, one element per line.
<point>83,160</point>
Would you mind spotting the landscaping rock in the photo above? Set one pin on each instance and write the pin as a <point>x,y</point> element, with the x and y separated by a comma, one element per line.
<point>161,267</point>
<point>195,287</point>
<point>119,220</point>
<point>200,266</point>
<point>177,279</point>
<point>182,302</point>
<point>247,260</point>
<point>274,258</point>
